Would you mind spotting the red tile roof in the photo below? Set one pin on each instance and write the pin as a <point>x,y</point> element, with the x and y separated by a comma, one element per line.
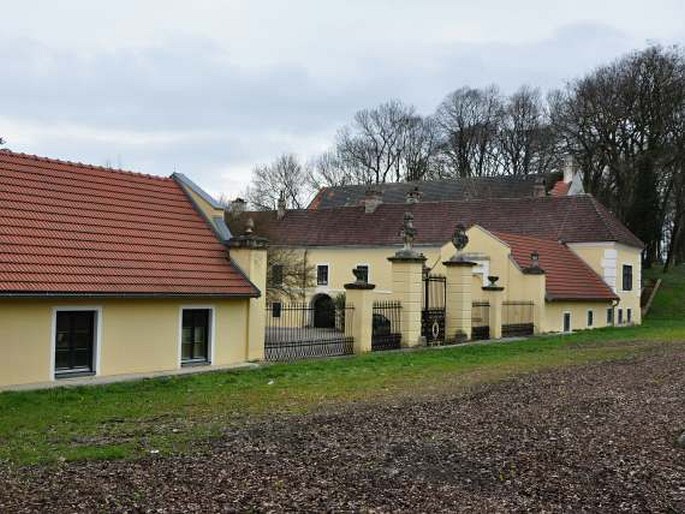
<point>578,218</point>
<point>568,277</point>
<point>74,229</point>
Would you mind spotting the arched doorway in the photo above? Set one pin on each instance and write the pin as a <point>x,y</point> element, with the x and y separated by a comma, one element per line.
<point>324,311</point>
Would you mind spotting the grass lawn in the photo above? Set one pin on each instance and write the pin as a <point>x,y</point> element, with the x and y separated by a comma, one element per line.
<point>131,419</point>
<point>669,302</point>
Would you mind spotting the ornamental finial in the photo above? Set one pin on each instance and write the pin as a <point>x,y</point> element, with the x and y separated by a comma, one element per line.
<point>408,232</point>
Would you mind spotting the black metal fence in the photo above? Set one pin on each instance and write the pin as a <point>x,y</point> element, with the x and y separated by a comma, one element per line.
<point>518,319</point>
<point>480,320</point>
<point>433,309</point>
<point>291,333</point>
<point>387,319</point>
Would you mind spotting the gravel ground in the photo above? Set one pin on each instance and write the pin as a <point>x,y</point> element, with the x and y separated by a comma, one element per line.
<point>594,438</point>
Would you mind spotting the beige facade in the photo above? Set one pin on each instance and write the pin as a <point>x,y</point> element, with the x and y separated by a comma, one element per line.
<point>493,257</point>
<point>131,335</point>
<point>608,261</point>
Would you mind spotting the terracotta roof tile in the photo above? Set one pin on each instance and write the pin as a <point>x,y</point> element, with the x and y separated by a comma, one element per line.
<point>569,218</point>
<point>71,228</point>
<point>568,277</point>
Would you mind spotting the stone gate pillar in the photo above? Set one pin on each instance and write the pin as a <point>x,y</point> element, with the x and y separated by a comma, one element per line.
<point>459,303</point>
<point>407,283</point>
<point>360,294</point>
<point>495,295</point>
<point>248,252</point>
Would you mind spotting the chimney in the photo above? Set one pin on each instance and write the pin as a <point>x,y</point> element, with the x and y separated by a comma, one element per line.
<point>372,199</point>
<point>539,189</point>
<point>569,169</point>
<point>237,207</point>
<point>413,196</point>
<point>280,209</point>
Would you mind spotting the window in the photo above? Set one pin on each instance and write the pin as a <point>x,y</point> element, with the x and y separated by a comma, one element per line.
<point>277,275</point>
<point>620,316</point>
<point>276,309</point>
<point>195,336</point>
<point>74,342</point>
<point>322,275</point>
<point>364,269</point>
<point>590,318</point>
<point>610,316</point>
<point>629,315</point>
<point>627,277</point>
<point>567,321</point>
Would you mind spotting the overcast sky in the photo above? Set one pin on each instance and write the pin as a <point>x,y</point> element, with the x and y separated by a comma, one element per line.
<point>212,87</point>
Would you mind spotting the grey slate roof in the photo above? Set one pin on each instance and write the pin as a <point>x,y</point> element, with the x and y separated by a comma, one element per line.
<point>433,191</point>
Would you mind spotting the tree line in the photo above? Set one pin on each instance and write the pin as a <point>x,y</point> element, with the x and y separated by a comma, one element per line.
<point>623,124</point>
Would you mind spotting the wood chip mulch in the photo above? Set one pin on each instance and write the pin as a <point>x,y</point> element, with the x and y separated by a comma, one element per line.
<point>596,438</point>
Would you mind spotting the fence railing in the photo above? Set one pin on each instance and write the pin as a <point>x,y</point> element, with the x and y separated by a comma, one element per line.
<point>387,320</point>
<point>517,318</point>
<point>299,331</point>
<point>480,320</point>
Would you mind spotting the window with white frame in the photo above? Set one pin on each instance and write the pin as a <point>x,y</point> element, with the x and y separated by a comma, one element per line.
<point>322,274</point>
<point>195,336</point>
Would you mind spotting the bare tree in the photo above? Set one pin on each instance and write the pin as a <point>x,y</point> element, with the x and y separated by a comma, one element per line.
<point>621,123</point>
<point>285,176</point>
<point>289,274</point>
<point>525,142</point>
<point>389,143</point>
<point>468,122</point>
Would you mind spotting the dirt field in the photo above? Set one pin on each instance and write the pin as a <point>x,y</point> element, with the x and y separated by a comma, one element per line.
<point>598,438</point>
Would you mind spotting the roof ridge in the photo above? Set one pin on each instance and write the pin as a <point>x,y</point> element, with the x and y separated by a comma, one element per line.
<point>79,164</point>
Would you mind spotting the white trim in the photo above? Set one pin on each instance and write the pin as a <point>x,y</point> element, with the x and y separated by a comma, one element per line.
<point>97,343</point>
<point>610,244</point>
<point>570,322</point>
<point>212,331</point>
<point>316,279</point>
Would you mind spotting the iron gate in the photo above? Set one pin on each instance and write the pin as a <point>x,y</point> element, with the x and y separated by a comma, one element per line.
<point>386,334</point>
<point>433,309</point>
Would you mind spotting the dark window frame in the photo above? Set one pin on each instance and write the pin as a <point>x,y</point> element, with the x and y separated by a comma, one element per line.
<point>627,276</point>
<point>620,316</point>
<point>68,317</point>
<point>195,317</point>
<point>565,316</point>
<point>320,280</point>
<point>610,316</point>
<point>276,309</point>
<point>590,318</point>
<point>629,315</point>
<point>277,275</point>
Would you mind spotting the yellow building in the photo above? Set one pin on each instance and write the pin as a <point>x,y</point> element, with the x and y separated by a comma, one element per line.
<point>105,273</point>
<point>591,262</point>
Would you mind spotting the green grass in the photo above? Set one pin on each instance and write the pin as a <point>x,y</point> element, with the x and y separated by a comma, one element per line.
<point>669,302</point>
<point>127,420</point>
